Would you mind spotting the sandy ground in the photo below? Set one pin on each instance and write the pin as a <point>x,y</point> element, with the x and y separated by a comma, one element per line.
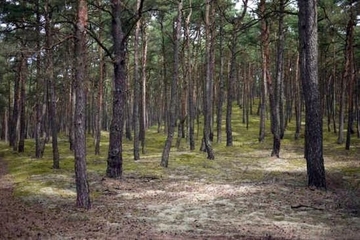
<point>178,207</point>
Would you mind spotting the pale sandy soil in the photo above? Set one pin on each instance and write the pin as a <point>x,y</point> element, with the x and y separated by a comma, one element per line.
<point>280,206</point>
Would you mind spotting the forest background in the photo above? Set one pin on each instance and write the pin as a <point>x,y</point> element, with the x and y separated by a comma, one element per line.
<point>114,69</point>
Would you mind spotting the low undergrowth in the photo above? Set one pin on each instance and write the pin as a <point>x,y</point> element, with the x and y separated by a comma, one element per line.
<point>242,193</point>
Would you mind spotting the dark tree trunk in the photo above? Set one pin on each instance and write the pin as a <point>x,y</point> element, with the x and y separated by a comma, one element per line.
<point>100,88</point>
<point>191,106</point>
<point>173,97</point>
<point>22,126</point>
<point>265,71</point>
<point>15,111</point>
<point>298,100</point>
<point>277,113</point>
<point>309,76</point>
<point>350,75</point>
<point>51,84</point>
<point>114,160</point>
<point>208,85</point>
<point>230,89</point>
<point>82,186</point>
<point>143,102</point>
<point>39,142</point>
<point>136,95</point>
<point>221,87</point>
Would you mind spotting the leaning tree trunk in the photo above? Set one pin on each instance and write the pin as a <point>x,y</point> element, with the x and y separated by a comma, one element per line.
<point>309,76</point>
<point>82,186</point>
<point>173,96</point>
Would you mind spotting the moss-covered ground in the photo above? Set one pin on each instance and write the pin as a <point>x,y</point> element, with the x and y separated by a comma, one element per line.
<point>242,194</point>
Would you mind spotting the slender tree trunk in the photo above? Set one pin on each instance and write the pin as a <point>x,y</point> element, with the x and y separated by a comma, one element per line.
<point>137,83</point>
<point>230,89</point>
<point>350,75</point>
<point>265,57</point>
<point>208,85</point>
<point>143,103</point>
<point>221,87</point>
<point>51,84</point>
<point>309,75</point>
<point>82,186</point>
<point>173,98</point>
<point>298,99</point>
<point>22,126</point>
<point>188,63</point>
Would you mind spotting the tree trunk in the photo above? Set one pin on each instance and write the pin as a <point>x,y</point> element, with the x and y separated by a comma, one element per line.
<point>265,71</point>
<point>22,132</point>
<point>173,96</point>
<point>82,186</point>
<point>208,85</point>
<point>143,104</point>
<point>114,160</point>
<point>309,76</point>
<point>350,75</point>
<point>277,113</point>
<point>100,90</point>
<point>188,63</point>
<point>221,87</point>
<point>15,111</point>
<point>230,88</point>
<point>51,84</point>
<point>39,142</point>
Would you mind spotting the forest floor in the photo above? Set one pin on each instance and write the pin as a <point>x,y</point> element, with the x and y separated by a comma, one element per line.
<point>223,200</point>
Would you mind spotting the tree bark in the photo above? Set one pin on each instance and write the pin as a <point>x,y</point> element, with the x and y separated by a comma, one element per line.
<point>173,96</point>
<point>137,83</point>
<point>265,59</point>
<point>114,160</point>
<point>51,84</point>
<point>22,131</point>
<point>208,84</point>
<point>82,186</point>
<point>276,106</point>
<point>309,75</point>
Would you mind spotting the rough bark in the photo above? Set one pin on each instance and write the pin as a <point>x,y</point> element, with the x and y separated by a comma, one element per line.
<point>114,160</point>
<point>208,84</point>
<point>143,99</point>
<point>22,101</point>
<point>276,105</point>
<point>173,96</point>
<point>51,85</point>
<point>264,37</point>
<point>100,90</point>
<point>309,76</point>
<point>82,186</point>
<point>190,81</point>
<point>136,89</point>
<point>350,75</point>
